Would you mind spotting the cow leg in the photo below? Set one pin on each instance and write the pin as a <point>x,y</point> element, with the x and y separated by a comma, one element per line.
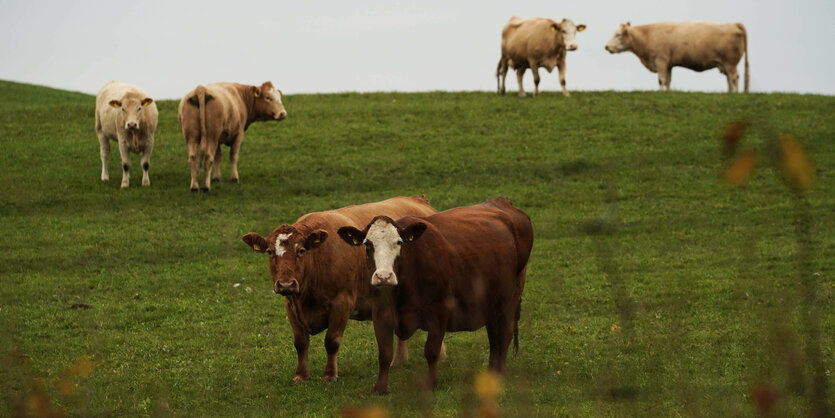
<point>520,74</point>
<point>669,77</point>
<point>535,71</point>
<point>233,157</point>
<point>733,79</point>
<point>104,152</point>
<point>193,145</point>
<point>500,334</point>
<point>125,154</point>
<point>383,333</point>
<point>561,67</point>
<point>208,166</point>
<point>661,67</point>
<point>401,353</point>
<point>216,166</point>
<point>146,163</point>
<point>337,322</point>
<point>501,74</point>
<point>301,341</point>
<point>432,352</point>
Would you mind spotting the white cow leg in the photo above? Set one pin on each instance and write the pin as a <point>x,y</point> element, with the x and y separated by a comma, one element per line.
<point>233,157</point>
<point>561,68</point>
<point>535,72</point>
<point>216,168</point>
<point>193,162</point>
<point>520,74</point>
<point>104,152</point>
<point>146,163</point>
<point>125,154</point>
<point>401,353</point>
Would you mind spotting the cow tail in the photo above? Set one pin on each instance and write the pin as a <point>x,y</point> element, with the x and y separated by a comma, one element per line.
<point>201,104</point>
<point>516,327</point>
<point>745,46</point>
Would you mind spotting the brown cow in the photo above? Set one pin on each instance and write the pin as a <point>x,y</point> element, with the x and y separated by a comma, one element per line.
<point>457,270</point>
<point>127,115</point>
<point>220,113</point>
<point>698,46</point>
<point>533,43</point>
<point>321,279</point>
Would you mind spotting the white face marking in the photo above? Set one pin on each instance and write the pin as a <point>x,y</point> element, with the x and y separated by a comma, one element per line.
<point>569,32</point>
<point>386,241</point>
<point>279,244</point>
<point>275,95</point>
<point>616,44</point>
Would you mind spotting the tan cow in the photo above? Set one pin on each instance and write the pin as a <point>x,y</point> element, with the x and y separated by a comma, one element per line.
<point>220,113</point>
<point>698,46</point>
<point>533,43</point>
<point>127,115</point>
<point>322,279</point>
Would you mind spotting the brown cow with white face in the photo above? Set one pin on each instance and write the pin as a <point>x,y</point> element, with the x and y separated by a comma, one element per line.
<point>321,279</point>
<point>127,115</point>
<point>533,43</point>
<point>457,270</point>
<point>220,113</point>
<point>698,46</point>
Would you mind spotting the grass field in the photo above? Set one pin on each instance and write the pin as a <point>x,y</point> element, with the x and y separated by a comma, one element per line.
<point>653,288</point>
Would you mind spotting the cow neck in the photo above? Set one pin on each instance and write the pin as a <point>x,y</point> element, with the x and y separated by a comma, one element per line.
<point>245,91</point>
<point>640,34</point>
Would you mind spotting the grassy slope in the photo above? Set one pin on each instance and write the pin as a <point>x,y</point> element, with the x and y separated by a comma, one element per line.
<point>711,271</point>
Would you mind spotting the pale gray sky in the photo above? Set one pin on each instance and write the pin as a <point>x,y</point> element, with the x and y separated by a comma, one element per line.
<point>167,47</point>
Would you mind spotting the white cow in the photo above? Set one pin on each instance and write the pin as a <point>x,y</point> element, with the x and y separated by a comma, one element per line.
<point>125,114</point>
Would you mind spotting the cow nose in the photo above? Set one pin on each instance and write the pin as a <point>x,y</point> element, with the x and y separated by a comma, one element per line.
<point>285,289</point>
<point>384,278</point>
<point>132,125</point>
<point>282,115</point>
<point>573,47</point>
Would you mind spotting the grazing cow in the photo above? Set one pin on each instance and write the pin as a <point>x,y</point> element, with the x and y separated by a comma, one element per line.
<point>127,115</point>
<point>457,270</point>
<point>533,43</point>
<point>321,279</point>
<point>220,113</point>
<point>698,46</point>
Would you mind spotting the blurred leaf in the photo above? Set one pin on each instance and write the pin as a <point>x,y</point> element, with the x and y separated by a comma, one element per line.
<point>741,168</point>
<point>614,328</point>
<point>765,399</point>
<point>794,164</point>
<point>368,412</point>
<point>487,385</point>
<point>733,134</point>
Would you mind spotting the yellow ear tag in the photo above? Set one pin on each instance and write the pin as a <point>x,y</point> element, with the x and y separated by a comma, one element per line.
<point>411,238</point>
<point>256,247</point>
<point>553,29</point>
<point>356,242</point>
<point>114,105</point>
<point>256,94</point>
<point>581,28</point>
<point>316,242</point>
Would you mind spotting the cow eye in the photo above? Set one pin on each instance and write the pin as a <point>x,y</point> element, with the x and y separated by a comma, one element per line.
<point>268,98</point>
<point>301,250</point>
<point>400,242</point>
<point>270,252</point>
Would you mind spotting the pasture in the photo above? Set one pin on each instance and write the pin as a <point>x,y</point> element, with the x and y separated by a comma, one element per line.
<point>653,287</point>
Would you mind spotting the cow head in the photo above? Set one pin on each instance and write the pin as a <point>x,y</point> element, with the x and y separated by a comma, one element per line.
<point>620,40</point>
<point>383,240</point>
<point>268,105</point>
<point>286,247</point>
<point>131,108</point>
<point>568,30</point>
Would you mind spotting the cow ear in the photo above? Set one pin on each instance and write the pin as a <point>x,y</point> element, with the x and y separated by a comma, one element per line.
<point>581,28</point>
<point>256,241</point>
<point>351,235</point>
<point>315,239</point>
<point>412,232</point>
<point>628,24</point>
<point>555,27</point>
<point>256,91</point>
<point>115,103</point>
<point>146,101</point>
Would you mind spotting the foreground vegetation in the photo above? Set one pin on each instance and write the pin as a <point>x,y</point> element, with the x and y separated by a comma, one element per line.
<point>653,287</point>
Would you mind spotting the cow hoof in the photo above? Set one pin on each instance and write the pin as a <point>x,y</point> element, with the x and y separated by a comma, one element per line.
<point>378,391</point>
<point>194,189</point>
<point>234,180</point>
<point>328,378</point>
<point>216,179</point>
<point>204,189</point>
<point>297,378</point>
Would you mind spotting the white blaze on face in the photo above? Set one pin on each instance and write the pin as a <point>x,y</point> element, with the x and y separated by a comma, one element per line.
<point>569,32</point>
<point>280,244</point>
<point>276,96</point>
<point>387,243</point>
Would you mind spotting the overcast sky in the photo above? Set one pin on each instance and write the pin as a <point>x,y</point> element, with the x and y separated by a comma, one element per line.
<point>167,47</point>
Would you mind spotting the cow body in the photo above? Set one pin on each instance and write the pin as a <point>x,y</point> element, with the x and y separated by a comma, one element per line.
<point>698,46</point>
<point>533,43</point>
<point>457,270</point>
<point>321,278</point>
<point>220,113</point>
<point>127,115</point>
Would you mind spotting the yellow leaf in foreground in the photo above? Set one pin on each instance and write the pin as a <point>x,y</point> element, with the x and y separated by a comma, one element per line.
<point>741,168</point>
<point>488,385</point>
<point>794,164</point>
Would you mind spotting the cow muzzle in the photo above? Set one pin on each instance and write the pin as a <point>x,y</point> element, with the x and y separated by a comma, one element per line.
<point>572,47</point>
<point>132,125</point>
<point>286,288</point>
<point>383,278</point>
<point>281,116</point>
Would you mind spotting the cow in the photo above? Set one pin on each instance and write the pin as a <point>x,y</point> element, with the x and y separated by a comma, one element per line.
<point>698,46</point>
<point>220,113</point>
<point>321,279</point>
<point>533,43</point>
<point>127,115</point>
<point>457,270</point>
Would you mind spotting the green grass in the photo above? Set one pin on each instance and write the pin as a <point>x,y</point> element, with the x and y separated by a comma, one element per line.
<point>141,281</point>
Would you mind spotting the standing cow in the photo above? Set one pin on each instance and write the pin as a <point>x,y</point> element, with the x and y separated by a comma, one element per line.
<point>698,46</point>
<point>533,43</point>
<point>321,279</point>
<point>220,113</point>
<point>457,270</point>
<point>127,115</point>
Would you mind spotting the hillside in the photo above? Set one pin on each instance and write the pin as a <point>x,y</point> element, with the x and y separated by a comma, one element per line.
<point>653,287</point>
